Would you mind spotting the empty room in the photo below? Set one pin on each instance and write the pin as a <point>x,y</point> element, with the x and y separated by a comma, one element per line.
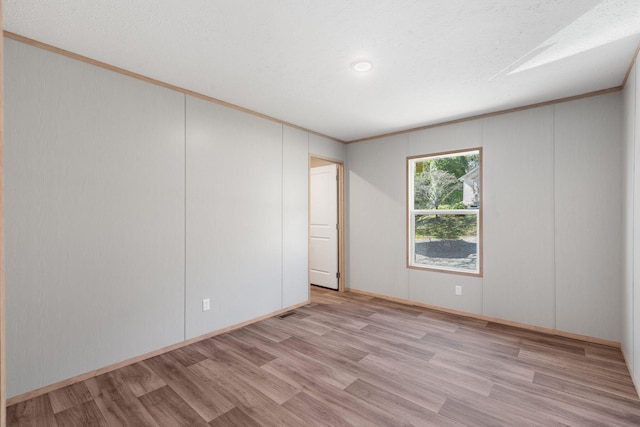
<point>320,213</point>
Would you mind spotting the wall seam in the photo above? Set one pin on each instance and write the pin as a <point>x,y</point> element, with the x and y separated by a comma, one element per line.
<point>184,294</point>
<point>483,207</point>
<point>407,152</point>
<point>553,206</point>
<point>282,177</point>
<point>631,256</point>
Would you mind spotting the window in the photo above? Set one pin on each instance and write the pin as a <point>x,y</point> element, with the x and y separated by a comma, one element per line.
<point>444,211</point>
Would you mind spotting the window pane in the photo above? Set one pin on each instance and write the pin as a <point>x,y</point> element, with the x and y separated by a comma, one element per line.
<point>446,241</point>
<point>450,182</point>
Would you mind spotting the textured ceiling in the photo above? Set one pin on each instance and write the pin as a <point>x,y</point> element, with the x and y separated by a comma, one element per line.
<point>433,60</point>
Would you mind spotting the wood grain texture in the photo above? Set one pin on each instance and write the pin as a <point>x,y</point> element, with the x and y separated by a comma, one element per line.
<point>167,408</point>
<point>139,377</point>
<point>495,321</point>
<point>350,359</point>
<point>32,412</point>
<point>117,402</point>
<point>84,414</point>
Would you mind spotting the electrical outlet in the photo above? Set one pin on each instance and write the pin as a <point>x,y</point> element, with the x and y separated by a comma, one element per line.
<point>458,290</point>
<point>206,304</point>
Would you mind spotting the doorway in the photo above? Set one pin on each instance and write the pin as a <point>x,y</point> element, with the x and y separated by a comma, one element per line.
<point>326,223</point>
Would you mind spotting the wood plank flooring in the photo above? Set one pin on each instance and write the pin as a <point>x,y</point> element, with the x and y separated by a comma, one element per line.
<point>354,360</point>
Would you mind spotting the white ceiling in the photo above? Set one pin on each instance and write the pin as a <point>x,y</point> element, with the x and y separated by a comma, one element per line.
<point>433,60</point>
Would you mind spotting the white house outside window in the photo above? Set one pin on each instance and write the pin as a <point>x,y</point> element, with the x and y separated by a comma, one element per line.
<point>444,211</point>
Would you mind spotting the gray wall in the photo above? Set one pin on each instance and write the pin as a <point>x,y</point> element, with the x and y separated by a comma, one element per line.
<point>127,204</point>
<point>234,216</point>
<point>588,216</point>
<point>324,147</point>
<point>295,214</point>
<point>94,217</point>
<point>630,298</point>
<point>552,229</point>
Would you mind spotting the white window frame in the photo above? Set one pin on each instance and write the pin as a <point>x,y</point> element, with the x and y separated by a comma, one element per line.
<point>412,213</point>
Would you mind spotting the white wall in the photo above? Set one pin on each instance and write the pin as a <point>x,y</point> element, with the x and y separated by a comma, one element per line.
<point>94,217</point>
<point>630,294</point>
<point>542,265</point>
<point>234,216</point>
<point>327,148</point>
<point>635,232</point>
<point>373,196</point>
<point>126,204</point>
<point>588,207</point>
<point>518,174</point>
<point>295,215</point>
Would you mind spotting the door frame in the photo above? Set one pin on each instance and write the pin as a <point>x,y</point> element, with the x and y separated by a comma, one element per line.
<point>314,159</point>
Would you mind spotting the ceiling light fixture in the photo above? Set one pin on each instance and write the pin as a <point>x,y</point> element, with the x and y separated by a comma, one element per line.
<point>361,66</point>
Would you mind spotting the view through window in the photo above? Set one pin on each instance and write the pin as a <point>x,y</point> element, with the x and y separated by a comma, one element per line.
<point>444,211</point>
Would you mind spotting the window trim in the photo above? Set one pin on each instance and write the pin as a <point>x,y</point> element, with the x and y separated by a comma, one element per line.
<point>410,214</point>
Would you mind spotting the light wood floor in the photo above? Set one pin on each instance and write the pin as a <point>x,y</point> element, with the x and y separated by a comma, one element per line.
<point>349,359</point>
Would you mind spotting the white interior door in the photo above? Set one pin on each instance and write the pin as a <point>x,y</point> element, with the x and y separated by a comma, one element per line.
<point>323,256</point>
